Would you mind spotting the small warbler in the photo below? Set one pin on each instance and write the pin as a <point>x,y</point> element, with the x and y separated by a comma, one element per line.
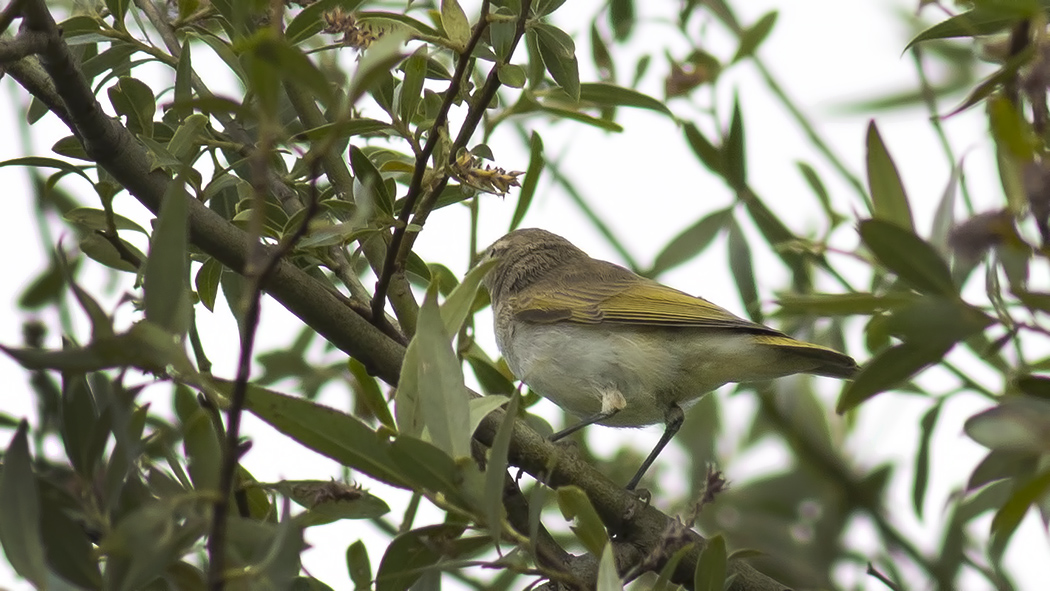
<point>617,349</point>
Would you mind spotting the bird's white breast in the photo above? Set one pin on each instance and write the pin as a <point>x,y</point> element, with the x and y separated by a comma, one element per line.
<point>574,365</point>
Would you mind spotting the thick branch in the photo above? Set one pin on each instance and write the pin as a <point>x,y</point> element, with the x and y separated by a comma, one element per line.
<point>24,45</point>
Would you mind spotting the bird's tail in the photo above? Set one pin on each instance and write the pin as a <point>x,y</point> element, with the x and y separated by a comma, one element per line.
<point>826,362</point>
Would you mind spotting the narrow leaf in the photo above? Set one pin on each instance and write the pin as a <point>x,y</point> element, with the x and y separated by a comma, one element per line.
<point>886,370</point>
<point>691,242</point>
<point>922,458</point>
<point>884,182</point>
<point>441,390</point>
<point>911,258</point>
<point>712,566</point>
<point>608,578</point>
<point>20,511</point>
<point>496,469</point>
<point>532,180</point>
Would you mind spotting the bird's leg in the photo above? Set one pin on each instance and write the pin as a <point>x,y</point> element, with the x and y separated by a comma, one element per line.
<point>612,403</point>
<point>673,420</point>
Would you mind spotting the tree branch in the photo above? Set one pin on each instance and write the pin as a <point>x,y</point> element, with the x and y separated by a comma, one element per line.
<point>231,449</point>
<point>394,259</point>
<point>24,45</point>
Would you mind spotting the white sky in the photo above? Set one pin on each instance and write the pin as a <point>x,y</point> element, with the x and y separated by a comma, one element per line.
<point>648,186</point>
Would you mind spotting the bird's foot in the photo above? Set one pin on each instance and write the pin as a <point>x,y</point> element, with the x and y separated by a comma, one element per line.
<point>642,498</point>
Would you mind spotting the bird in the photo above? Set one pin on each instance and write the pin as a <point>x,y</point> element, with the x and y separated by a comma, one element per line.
<point>617,349</point>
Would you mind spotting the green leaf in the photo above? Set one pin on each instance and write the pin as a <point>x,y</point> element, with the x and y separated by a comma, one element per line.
<point>42,162</point>
<point>886,370</point>
<point>183,91</point>
<point>922,458</point>
<point>403,25</point>
<point>608,578</point>
<point>972,23</point>
<point>412,553</point>
<point>911,258</point>
<point>83,436</point>
<point>884,182</point>
<point>511,75</point>
<point>734,152</point>
<point>600,54</point>
<point>185,143</point>
<point>166,276</point>
<point>532,180</point>
<point>95,219</point>
<point>207,282</point>
<point>412,85</point>
<point>752,37</point>
<point>328,501</point>
<point>621,18</point>
<point>358,566</point>
<point>373,190</point>
<point>935,321</point>
<point>20,511</point>
<point>559,57</point>
<point>408,406</point>
<point>691,241</point>
<point>443,396</point>
<point>70,554</point>
<point>117,9</point>
<point>101,323</point>
<point>1018,424</point>
<point>133,99</point>
<point>587,526</point>
<point>482,407</point>
<point>709,154</point>
<point>496,469</point>
<point>428,467</point>
<point>455,23</point>
<point>712,566</point>
<point>375,65</point>
<point>327,431</point>
<point>743,270</point>
<point>203,450</point>
<point>70,147</point>
<point>460,302</point>
<point>1012,131</point>
<point>663,580</point>
<point>1012,512</point>
<point>1034,386</point>
<point>841,304</point>
<point>610,95</point>
<point>814,182</point>
<point>344,129</point>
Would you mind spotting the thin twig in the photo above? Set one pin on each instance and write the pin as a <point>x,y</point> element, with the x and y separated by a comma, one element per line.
<point>476,112</point>
<point>415,187</point>
<point>231,450</point>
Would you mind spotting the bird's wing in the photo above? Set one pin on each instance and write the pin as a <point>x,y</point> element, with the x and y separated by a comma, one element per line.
<point>618,296</point>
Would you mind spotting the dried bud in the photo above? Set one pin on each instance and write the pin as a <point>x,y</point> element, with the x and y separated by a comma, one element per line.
<point>490,179</point>
<point>1036,178</point>
<point>972,238</point>
<point>700,68</point>
<point>356,35</point>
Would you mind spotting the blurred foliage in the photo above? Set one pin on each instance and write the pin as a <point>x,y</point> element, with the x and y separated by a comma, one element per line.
<point>339,147</point>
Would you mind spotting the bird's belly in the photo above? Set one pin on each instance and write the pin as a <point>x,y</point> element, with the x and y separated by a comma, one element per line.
<point>576,365</point>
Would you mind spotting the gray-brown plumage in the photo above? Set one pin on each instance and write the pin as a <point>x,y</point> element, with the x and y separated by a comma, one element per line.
<point>618,349</point>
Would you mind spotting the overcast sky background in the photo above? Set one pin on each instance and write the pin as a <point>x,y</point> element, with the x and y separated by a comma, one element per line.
<point>648,186</point>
